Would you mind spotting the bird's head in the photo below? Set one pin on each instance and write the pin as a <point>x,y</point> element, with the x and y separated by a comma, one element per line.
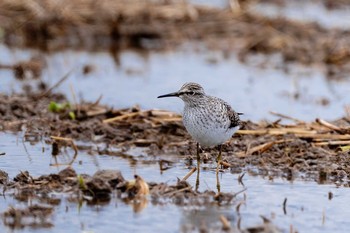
<point>189,92</point>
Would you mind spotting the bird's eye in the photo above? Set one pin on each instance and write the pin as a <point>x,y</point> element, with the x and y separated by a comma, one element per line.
<point>191,92</point>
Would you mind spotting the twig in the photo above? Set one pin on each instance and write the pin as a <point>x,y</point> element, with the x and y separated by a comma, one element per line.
<point>224,164</point>
<point>235,7</point>
<point>75,102</point>
<point>97,102</point>
<point>332,143</point>
<point>225,223</point>
<point>182,143</point>
<point>261,148</point>
<point>25,148</point>
<point>239,223</point>
<point>189,174</point>
<point>47,92</point>
<point>122,117</point>
<point>162,120</point>
<point>27,176</point>
<point>61,138</point>
<point>284,206</point>
<point>178,191</point>
<point>279,131</point>
<point>324,136</point>
<point>329,125</point>
<point>286,117</point>
<point>164,113</point>
<point>265,220</point>
<point>96,112</point>
<point>238,206</point>
<point>240,179</point>
<point>239,192</point>
<point>75,153</point>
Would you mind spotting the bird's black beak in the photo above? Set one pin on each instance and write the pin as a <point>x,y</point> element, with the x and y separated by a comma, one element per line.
<point>174,94</point>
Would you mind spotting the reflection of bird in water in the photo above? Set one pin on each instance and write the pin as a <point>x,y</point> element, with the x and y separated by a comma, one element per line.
<point>209,120</point>
<point>208,219</point>
<point>205,219</point>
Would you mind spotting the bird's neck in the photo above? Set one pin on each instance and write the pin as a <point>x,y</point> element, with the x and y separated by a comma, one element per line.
<point>195,103</point>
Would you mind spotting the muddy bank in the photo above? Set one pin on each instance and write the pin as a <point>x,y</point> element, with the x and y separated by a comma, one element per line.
<point>153,25</point>
<point>100,189</point>
<point>106,186</point>
<point>315,150</point>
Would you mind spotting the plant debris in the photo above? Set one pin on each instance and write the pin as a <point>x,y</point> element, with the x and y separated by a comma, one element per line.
<point>314,150</point>
<point>96,189</point>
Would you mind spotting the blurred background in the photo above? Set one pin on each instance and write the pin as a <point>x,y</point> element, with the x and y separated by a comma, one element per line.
<point>289,57</point>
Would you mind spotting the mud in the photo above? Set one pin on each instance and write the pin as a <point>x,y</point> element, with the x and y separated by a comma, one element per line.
<point>316,150</point>
<point>99,189</point>
<point>299,150</point>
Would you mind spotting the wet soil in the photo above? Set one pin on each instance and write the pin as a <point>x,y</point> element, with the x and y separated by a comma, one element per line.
<point>100,189</point>
<point>310,151</point>
<point>316,150</point>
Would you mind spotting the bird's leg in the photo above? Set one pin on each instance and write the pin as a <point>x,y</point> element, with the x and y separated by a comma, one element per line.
<point>198,157</point>
<point>218,182</point>
<point>198,167</point>
<point>219,158</point>
<point>217,168</point>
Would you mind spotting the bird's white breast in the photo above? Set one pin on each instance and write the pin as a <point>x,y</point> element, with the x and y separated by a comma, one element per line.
<point>209,131</point>
<point>212,137</point>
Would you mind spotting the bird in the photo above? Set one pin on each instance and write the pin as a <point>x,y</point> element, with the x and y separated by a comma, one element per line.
<point>209,120</point>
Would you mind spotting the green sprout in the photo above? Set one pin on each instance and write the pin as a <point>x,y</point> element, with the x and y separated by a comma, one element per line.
<point>58,107</point>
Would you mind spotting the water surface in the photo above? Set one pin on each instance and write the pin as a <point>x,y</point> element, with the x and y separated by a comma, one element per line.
<point>137,79</point>
<point>308,208</point>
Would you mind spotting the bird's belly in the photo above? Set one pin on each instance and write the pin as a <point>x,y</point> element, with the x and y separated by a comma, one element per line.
<point>209,136</point>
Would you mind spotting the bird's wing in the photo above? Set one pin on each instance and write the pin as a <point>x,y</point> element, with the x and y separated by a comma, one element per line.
<point>233,116</point>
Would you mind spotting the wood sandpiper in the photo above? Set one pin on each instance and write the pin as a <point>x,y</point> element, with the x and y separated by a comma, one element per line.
<point>209,120</point>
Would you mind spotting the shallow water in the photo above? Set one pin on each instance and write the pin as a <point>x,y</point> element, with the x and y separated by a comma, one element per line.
<point>253,88</point>
<point>306,11</point>
<point>308,208</point>
<point>303,11</point>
